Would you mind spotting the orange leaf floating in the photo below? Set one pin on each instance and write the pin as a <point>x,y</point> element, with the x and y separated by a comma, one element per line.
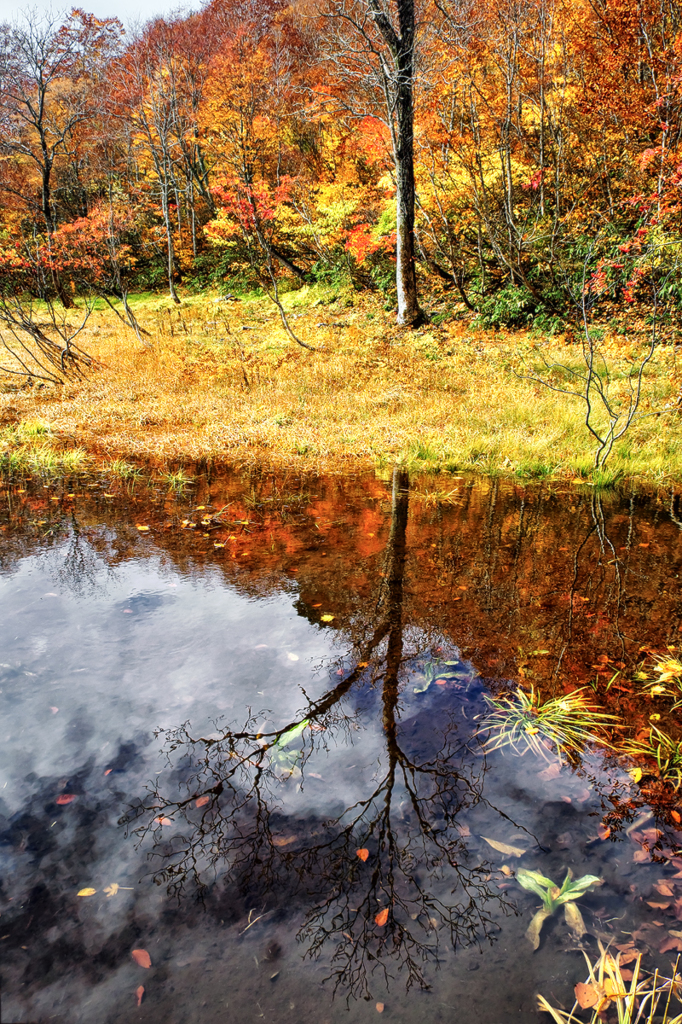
<point>362,854</point>
<point>380,1007</point>
<point>141,528</point>
<point>382,917</point>
<point>603,831</point>
<point>586,995</point>
<point>675,815</point>
<point>202,801</point>
<point>163,821</point>
<point>139,994</point>
<point>66,798</point>
<point>142,958</point>
<point>108,771</point>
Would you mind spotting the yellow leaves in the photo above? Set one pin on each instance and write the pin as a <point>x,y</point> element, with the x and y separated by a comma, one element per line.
<point>635,774</point>
<point>326,618</point>
<point>510,851</point>
<point>141,528</point>
<point>86,892</point>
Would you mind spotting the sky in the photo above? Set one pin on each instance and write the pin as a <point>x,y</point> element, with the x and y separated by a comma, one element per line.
<point>129,11</point>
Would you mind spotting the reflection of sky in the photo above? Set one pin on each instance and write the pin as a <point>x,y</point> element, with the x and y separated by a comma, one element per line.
<point>130,12</point>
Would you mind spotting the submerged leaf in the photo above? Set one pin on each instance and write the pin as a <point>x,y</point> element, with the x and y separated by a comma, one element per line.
<point>201,801</point>
<point>586,996</point>
<point>139,994</point>
<point>574,920</point>
<point>382,917</point>
<point>142,958</point>
<point>535,927</point>
<point>65,798</point>
<point>511,851</point>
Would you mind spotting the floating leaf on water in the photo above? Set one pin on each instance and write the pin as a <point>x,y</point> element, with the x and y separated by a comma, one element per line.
<point>142,958</point>
<point>603,831</point>
<point>326,618</point>
<point>65,798</point>
<point>675,815</point>
<point>111,890</point>
<point>510,851</point>
<point>283,840</point>
<point>362,854</point>
<point>380,1007</point>
<point>139,994</point>
<point>382,917</point>
<point>586,996</point>
<point>142,529</point>
<point>201,801</point>
<point>86,892</point>
<point>163,821</point>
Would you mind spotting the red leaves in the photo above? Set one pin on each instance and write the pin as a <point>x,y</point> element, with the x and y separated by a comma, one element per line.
<point>65,798</point>
<point>142,958</point>
<point>362,854</point>
<point>139,994</point>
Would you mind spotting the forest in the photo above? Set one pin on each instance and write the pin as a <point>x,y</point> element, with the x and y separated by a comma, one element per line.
<point>506,167</point>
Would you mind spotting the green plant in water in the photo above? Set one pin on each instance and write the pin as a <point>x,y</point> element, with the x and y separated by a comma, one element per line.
<point>177,481</point>
<point>523,721</point>
<point>440,670</point>
<point>124,470</point>
<point>664,750</point>
<point>553,897</point>
<point>288,760</point>
<point>636,1001</point>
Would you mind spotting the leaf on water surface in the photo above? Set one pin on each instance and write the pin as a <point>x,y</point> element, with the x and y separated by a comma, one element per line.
<point>108,771</point>
<point>112,889</point>
<point>552,772</point>
<point>535,927</point>
<point>65,798</point>
<point>142,958</point>
<point>163,821</point>
<point>201,801</point>
<point>326,618</point>
<point>586,996</point>
<point>139,994</point>
<point>603,831</point>
<point>676,816</point>
<point>382,917</point>
<point>283,840</point>
<point>362,854</point>
<point>55,710</point>
<point>142,529</point>
<point>380,1007</point>
<point>635,774</point>
<point>511,851</point>
<point>86,892</point>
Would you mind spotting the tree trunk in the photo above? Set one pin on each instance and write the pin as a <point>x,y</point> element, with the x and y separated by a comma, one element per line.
<point>409,311</point>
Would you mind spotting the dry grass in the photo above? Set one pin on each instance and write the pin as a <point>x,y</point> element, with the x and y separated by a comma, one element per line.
<point>221,380</point>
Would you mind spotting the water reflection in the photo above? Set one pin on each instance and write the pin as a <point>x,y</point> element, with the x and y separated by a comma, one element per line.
<point>387,878</point>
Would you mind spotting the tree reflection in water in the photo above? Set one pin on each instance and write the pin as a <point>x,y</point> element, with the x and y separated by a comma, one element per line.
<point>231,804</point>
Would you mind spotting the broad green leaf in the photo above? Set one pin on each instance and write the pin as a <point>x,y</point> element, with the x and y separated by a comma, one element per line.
<point>542,880</point>
<point>292,734</point>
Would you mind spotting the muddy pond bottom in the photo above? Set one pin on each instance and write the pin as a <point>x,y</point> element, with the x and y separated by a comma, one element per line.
<point>246,770</point>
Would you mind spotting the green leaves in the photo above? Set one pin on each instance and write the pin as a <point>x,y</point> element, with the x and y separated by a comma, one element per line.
<point>553,897</point>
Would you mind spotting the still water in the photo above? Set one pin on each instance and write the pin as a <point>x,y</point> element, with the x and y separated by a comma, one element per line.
<point>243,720</point>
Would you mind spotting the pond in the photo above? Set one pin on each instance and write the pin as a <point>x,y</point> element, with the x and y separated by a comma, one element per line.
<point>244,773</point>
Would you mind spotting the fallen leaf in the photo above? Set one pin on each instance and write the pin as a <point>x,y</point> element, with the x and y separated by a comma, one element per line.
<point>202,801</point>
<point>108,771</point>
<point>586,995</point>
<point>535,927</point>
<point>641,856</point>
<point>675,815</point>
<point>463,830</point>
<point>112,889</point>
<point>326,618</point>
<point>553,772</point>
<point>506,870</point>
<point>142,958</point>
<point>635,774</point>
<point>628,953</point>
<point>362,854</point>
<point>665,888</point>
<point>55,710</point>
<point>672,942</point>
<point>511,851</point>
<point>66,798</point>
<point>603,831</point>
<point>657,906</point>
<point>139,994</point>
<point>86,892</point>
<point>163,821</point>
<point>441,682</point>
<point>382,917</point>
<point>380,1007</point>
<point>142,529</point>
<point>626,975</point>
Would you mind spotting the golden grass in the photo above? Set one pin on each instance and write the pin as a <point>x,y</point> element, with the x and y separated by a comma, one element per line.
<point>222,381</point>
